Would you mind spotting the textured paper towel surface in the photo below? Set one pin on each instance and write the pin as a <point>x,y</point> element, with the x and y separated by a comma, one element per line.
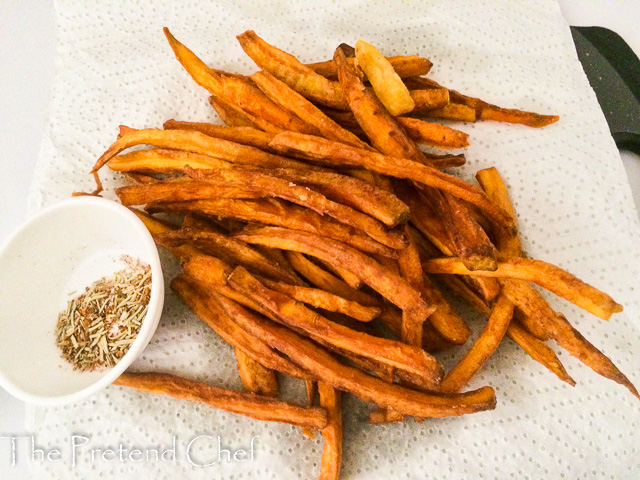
<point>569,187</point>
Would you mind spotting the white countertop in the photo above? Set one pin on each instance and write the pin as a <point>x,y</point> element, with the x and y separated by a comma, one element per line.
<point>27,48</point>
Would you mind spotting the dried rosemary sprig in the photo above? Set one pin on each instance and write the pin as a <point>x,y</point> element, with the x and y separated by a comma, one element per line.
<point>98,327</point>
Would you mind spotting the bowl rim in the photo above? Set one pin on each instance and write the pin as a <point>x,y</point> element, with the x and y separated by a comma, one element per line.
<point>151,319</point>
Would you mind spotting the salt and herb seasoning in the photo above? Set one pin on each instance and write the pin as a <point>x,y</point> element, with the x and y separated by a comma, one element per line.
<point>98,327</point>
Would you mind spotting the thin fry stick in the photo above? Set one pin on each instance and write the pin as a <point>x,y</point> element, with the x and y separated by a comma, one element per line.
<point>325,300</point>
<point>326,281</point>
<point>161,160</point>
<point>482,349</point>
<point>236,90</point>
<point>285,96</point>
<point>288,69</point>
<point>544,274</point>
<point>243,135</point>
<point>539,352</point>
<point>332,433</point>
<point>195,142</point>
<point>247,404</point>
<point>229,114</point>
<point>405,66</point>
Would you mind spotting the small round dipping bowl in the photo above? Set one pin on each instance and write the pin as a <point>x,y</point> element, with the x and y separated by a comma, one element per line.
<point>53,257</point>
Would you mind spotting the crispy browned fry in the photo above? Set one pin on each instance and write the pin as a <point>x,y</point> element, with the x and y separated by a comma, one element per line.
<point>385,282</point>
<point>544,274</point>
<point>332,433</point>
<point>326,281</point>
<point>161,160</point>
<point>350,279</point>
<point>195,142</point>
<point>411,271</point>
<point>271,211</point>
<point>244,135</point>
<point>487,111</point>
<point>287,68</point>
<point>405,66</point>
<point>237,91</point>
<point>232,251</point>
<point>452,111</point>
<point>269,185</point>
<point>255,377</point>
<point>172,191</point>
<point>482,349</point>
<point>230,114</point>
<point>434,134</point>
<point>372,200</point>
<point>508,242</point>
<point>297,316</point>
<point>190,293</point>
<point>534,313</point>
<point>550,324</point>
<point>326,368</point>
<point>429,100</point>
<point>539,352</point>
<point>331,153</point>
<point>247,404</point>
<point>285,96</point>
<point>325,300</point>
<point>573,342</point>
<point>419,131</point>
<point>386,83</point>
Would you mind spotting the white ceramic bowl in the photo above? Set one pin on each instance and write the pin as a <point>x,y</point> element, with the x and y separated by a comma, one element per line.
<point>62,249</point>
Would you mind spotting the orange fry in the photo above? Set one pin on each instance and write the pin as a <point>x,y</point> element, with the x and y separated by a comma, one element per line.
<point>485,345</point>
<point>332,433</point>
<point>405,66</point>
<point>247,404</point>
<point>544,274</point>
<point>288,69</point>
<point>325,300</point>
<point>285,96</point>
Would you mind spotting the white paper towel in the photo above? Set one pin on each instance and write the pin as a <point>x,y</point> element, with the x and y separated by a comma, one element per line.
<point>567,181</point>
